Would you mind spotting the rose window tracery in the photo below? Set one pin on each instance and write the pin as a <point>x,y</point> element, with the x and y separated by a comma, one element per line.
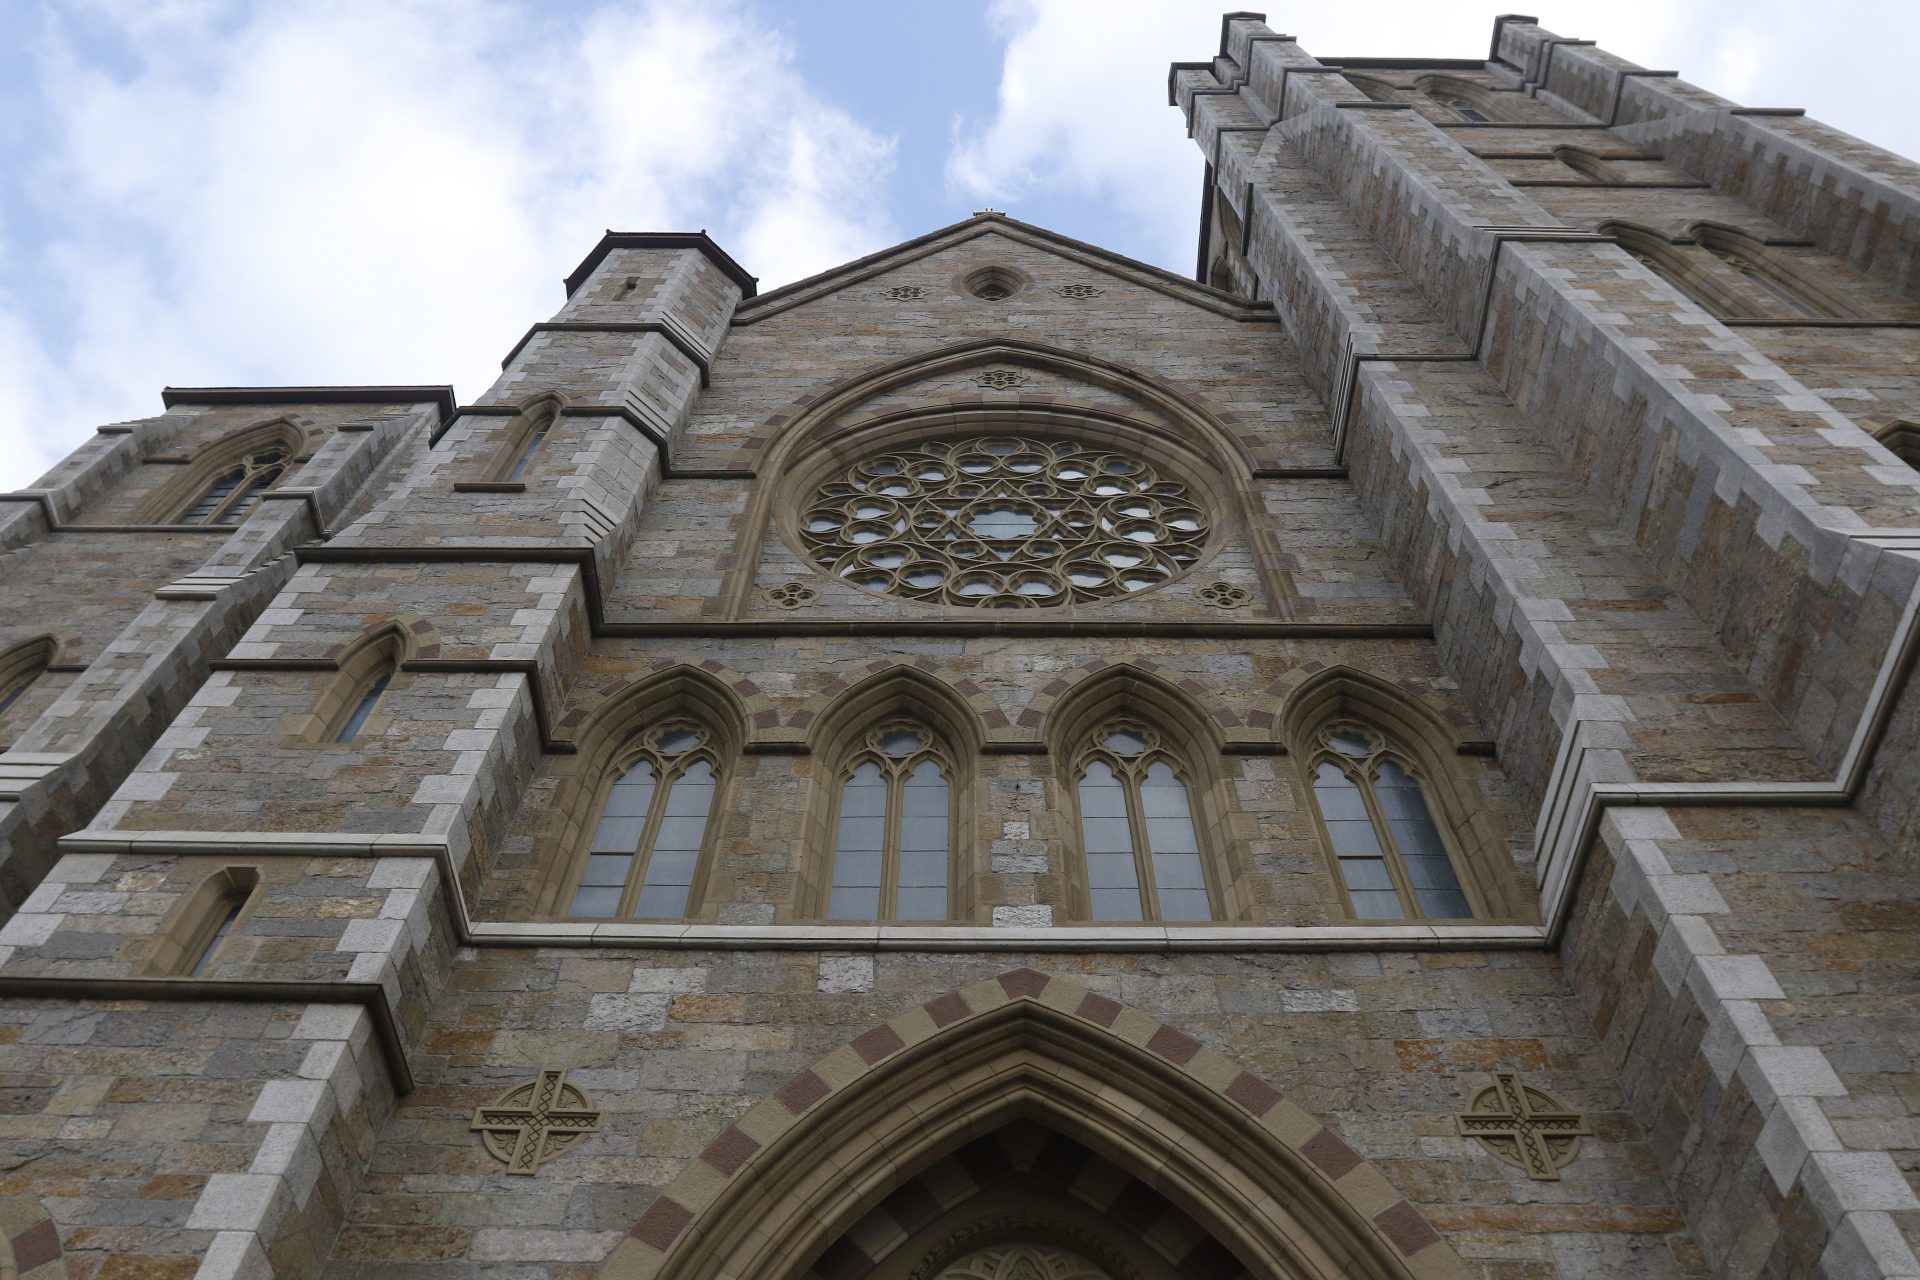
<point>1004,522</point>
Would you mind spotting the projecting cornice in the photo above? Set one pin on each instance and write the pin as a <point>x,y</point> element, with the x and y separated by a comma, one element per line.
<point>697,240</point>
<point>442,398</point>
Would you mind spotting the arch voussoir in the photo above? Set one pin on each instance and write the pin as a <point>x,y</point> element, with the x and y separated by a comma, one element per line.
<point>1272,1183</point>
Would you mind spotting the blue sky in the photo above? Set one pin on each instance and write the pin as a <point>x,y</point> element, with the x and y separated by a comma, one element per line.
<point>205,192</point>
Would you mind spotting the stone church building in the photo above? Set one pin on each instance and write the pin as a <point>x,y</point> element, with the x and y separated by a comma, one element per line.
<point>1393,759</point>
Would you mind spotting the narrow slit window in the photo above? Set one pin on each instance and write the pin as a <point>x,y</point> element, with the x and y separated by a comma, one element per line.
<point>1469,113</point>
<point>893,834</point>
<point>1137,832</point>
<point>530,448</point>
<point>16,688</point>
<point>206,921</point>
<point>364,708</point>
<point>230,908</point>
<point>644,856</point>
<point>20,668</point>
<point>1393,861</point>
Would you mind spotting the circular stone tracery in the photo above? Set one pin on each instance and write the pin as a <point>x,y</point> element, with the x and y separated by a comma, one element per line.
<point>1004,522</point>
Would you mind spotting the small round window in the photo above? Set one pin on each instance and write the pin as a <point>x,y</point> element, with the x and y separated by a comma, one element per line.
<point>992,284</point>
<point>1004,522</point>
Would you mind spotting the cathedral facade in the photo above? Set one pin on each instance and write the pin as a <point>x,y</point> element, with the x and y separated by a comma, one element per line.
<point>1392,758</point>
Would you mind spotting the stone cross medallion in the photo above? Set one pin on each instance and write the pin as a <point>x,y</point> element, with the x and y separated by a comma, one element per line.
<point>1524,1126</point>
<point>535,1122</point>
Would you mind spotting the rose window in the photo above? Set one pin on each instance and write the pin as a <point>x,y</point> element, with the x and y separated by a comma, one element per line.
<point>1005,523</point>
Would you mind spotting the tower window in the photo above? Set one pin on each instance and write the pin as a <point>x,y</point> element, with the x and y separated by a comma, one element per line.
<point>1762,279</point>
<point>236,491</point>
<point>229,909</point>
<point>1903,439</point>
<point>204,923</point>
<point>644,855</point>
<point>529,448</point>
<point>894,830</point>
<point>1137,830</point>
<point>20,667</point>
<point>364,708</point>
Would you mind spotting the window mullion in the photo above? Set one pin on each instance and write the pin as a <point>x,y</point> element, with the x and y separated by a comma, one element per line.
<point>241,489</point>
<point>643,854</point>
<point>1142,855</point>
<point>1383,832</point>
<point>890,855</point>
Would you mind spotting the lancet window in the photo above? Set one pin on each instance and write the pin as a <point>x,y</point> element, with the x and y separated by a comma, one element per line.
<point>643,857</point>
<point>236,491</point>
<point>363,706</point>
<point>529,447</point>
<point>1755,274</point>
<point>524,439</point>
<point>1394,862</point>
<point>1137,828</point>
<point>893,830</point>
<point>20,666</point>
<point>220,921</point>
<point>205,921</point>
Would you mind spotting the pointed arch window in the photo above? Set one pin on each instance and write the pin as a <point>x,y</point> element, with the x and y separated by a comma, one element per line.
<point>524,439</point>
<point>1588,165</point>
<point>20,666</point>
<point>236,491</point>
<point>1137,831</point>
<point>209,916</point>
<point>529,447</point>
<point>1903,439</point>
<point>644,856</point>
<point>350,705</point>
<point>1662,257</point>
<point>363,706</point>
<point>1749,265</point>
<point>893,831</point>
<point>1394,862</point>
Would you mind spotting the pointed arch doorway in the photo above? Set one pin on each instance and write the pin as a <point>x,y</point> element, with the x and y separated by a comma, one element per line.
<point>1025,1128</point>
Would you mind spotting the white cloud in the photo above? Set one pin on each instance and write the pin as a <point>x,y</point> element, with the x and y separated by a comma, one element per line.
<point>1082,107</point>
<point>369,192</point>
<point>1082,111</point>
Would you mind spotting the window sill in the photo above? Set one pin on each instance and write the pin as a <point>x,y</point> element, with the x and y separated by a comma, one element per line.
<point>1477,935</point>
